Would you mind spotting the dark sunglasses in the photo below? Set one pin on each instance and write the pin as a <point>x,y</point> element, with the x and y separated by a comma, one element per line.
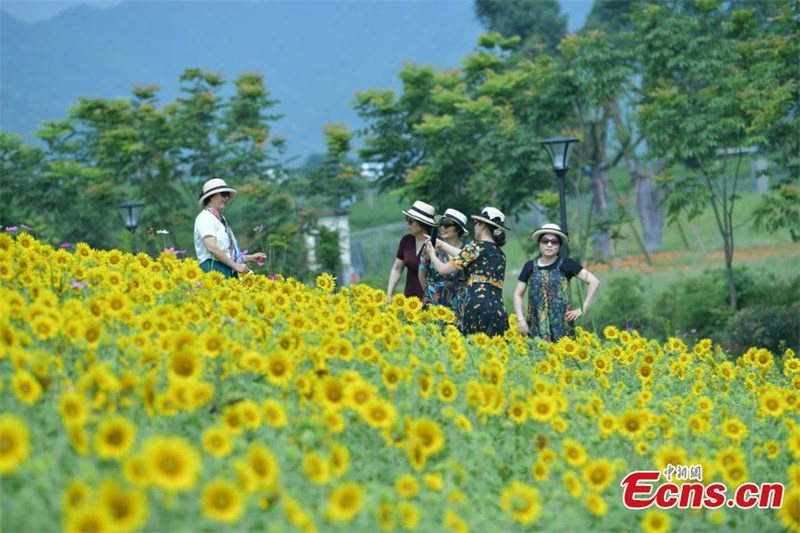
<point>549,241</point>
<point>410,220</point>
<point>225,194</point>
<point>447,225</point>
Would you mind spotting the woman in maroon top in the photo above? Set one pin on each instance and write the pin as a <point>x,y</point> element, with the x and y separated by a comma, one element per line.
<point>419,221</point>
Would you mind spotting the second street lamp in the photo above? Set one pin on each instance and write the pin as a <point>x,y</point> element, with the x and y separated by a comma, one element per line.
<point>130,212</point>
<point>559,150</point>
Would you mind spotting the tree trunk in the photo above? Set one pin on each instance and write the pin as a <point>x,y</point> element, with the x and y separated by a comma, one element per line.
<point>651,214</point>
<point>729,272</point>
<point>601,242</point>
<point>648,198</point>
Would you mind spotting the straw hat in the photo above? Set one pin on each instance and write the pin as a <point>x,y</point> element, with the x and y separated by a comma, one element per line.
<point>422,212</point>
<point>492,216</point>
<point>456,216</point>
<point>215,186</point>
<point>554,229</point>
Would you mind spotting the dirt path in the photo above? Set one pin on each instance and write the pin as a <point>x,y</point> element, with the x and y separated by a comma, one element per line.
<point>789,254</point>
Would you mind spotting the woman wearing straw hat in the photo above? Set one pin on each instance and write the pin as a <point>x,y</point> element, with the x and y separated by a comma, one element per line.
<point>439,289</point>
<point>547,280</point>
<point>419,222</point>
<point>214,242</point>
<point>484,264</point>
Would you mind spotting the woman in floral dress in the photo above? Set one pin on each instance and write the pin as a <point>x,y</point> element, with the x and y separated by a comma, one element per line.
<point>547,282</point>
<point>484,264</point>
<point>440,289</point>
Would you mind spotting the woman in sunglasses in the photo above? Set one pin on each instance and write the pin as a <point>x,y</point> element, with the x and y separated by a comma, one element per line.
<point>547,280</point>
<point>484,265</point>
<point>440,289</point>
<point>419,223</point>
<point>214,242</point>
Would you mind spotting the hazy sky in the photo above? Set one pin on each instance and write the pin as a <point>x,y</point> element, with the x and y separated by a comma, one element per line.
<point>37,10</point>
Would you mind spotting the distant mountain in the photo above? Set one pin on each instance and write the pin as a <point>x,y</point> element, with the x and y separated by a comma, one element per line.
<point>314,55</point>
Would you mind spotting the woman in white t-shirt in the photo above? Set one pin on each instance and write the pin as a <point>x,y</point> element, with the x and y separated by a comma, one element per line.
<point>214,241</point>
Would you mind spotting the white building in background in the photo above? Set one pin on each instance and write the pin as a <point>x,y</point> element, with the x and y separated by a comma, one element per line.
<point>339,223</point>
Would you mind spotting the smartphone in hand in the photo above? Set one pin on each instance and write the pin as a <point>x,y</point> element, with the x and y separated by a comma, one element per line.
<point>433,238</point>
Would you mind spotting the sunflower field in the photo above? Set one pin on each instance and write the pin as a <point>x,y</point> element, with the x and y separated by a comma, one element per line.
<point>141,394</point>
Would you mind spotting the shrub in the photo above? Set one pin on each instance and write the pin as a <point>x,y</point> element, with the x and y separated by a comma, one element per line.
<point>623,305</point>
<point>698,303</point>
<point>773,327</point>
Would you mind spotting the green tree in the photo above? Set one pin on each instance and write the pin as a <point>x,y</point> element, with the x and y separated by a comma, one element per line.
<point>538,23</point>
<point>465,138</point>
<point>108,151</point>
<point>696,66</point>
<point>336,179</point>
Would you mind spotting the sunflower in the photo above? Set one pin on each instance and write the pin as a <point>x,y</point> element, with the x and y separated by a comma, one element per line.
<point>428,433</point>
<point>574,452</point>
<point>772,403</point>
<point>26,388</point>
<point>391,376</point>
<point>115,437</point>
<point>596,505</point>
<point>217,442</point>
<point>542,408</point>
<point>126,508</point>
<point>734,475</point>
<point>184,365</point>
<point>572,484</point>
<point>14,443</point>
<point>669,454</point>
<point>598,474</point>
<point>772,449</point>
<point>734,429</point>
<point>339,459</point>
<point>522,502</point>
<point>790,511</point>
<point>610,332</point>
<point>76,494</point>
<point>655,521</point>
<point>793,443</point>
<point>699,424</point>
<point>406,486</point>
<point>379,413</point>
<point>172,463</point>
<point>345,502</point>
<point>454,522</point>
<point>330,393</point>
<point>72,407</point>
<point>88,518</point>
<point>222,501</point>
<point>633,423</point>
<point>316,469</point>
<point>333,421</point>
<point>606,424</point>
<point>274,413</point>
<point>518,412</point>
<point>447,390</point>
<point>264,465</point>
<point>359,393</point>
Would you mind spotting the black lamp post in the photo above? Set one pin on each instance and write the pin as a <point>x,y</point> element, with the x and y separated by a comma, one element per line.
<point>130,212</point>
<point>559,149</point>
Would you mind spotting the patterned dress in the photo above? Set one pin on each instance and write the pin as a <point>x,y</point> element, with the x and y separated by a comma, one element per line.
<point>548,298</point>
<point>447,290</point>
<point>484,264</point>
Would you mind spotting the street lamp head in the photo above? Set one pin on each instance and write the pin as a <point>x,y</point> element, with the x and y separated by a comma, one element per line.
<point>559,149</point>
<point>130,211</point>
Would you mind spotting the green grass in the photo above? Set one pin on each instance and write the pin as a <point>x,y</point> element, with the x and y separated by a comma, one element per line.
<point>376,209</point>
